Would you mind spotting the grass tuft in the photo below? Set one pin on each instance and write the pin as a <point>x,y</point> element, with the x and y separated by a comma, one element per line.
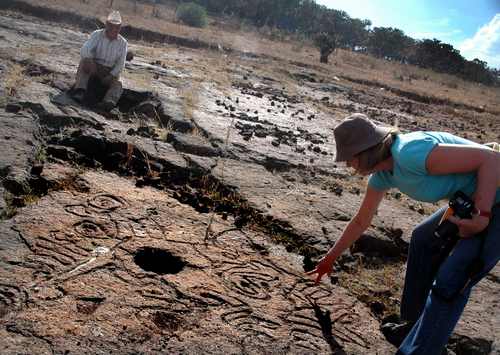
<point>14,79</point>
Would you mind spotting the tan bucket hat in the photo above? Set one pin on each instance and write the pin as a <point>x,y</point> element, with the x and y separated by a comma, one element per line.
<point>355,134</point>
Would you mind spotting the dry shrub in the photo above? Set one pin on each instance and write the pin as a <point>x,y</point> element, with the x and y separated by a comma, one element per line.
<point>197,132</point>
<point>164,131</point>
<point>14,79</point>
<point>190,98</point>
<point>192,14</point>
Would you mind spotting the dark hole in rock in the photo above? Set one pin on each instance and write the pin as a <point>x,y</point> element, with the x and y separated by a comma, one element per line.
<point>380,246</point>
<point>95,91</point>
<point>166,320</point>
<point>158,261</point>
<point>88,305</point>
<point>245,284</point>
<point>130,99</point>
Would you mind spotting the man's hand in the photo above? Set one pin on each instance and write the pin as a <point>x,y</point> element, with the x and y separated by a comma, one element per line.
<point>324,267</point>
<point>89,66</point>
<point>468,228</point>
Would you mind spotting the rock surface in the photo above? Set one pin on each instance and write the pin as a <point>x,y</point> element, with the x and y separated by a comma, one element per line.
<point>183,222</point>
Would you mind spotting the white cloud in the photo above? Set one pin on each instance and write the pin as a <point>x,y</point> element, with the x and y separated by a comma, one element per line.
<point>485,44</point>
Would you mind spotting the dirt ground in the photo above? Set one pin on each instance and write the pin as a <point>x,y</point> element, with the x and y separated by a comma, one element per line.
<point>183,221</point>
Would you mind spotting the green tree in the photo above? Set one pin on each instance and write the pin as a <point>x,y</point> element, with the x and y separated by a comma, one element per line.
<point>192,14</point>
<point>477,70</point>
<point>387,42</point>
<point>331,28</point>
<point>326,44</point>
<point>357,33</point>
<point>438,56</point>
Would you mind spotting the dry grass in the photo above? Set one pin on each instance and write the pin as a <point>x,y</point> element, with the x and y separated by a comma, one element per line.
<point>143,79</point>
<point>197,132</point>
<point>163,132</point>
<point>380,288</point>
<point>40,154</point>
<point>33,52</point>
<point>190,97</point>
<point>421,81</point>
<point>14,79</point>
<point>217,72</point>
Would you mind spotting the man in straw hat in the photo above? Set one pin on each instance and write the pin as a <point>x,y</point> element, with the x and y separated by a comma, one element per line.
<point>103,56</point>
<point>429,167</point>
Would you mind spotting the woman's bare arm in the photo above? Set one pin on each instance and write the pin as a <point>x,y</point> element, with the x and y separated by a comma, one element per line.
<point>358,224</point>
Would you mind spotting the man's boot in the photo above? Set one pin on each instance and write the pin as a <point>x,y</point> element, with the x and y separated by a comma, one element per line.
<point>78,95</point>
<point>106,106</point>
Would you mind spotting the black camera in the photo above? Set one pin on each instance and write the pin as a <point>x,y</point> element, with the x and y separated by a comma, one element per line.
<point>461,206</point>
<point>447,237</point>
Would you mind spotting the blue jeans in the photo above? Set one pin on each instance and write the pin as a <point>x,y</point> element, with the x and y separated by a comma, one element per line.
<point>426,299</point>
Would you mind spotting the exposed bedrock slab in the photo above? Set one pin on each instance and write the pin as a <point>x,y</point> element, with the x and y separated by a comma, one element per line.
<point>19,144</point>
<point>96,264</point>
<point>80,265</point>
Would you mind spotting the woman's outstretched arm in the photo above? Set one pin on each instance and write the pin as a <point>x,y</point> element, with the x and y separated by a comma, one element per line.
<point>358,224</point>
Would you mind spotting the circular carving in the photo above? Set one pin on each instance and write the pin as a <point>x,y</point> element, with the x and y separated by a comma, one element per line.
<point>77,210</point>
<point>254,280</point>
<point>106,202</point>
<point>91,229</point>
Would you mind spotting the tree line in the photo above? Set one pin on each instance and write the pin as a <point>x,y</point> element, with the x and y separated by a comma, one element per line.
<point>330,29</point>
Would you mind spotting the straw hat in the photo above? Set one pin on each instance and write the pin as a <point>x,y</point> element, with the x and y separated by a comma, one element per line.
<point>114,18</point>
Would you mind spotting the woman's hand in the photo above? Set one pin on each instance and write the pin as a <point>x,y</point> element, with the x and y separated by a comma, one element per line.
<point>360,222</point>
<point>467,228</point>
<point>325,266</point>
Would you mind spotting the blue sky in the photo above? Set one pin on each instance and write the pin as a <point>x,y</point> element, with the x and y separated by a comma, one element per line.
<point>471,26</point>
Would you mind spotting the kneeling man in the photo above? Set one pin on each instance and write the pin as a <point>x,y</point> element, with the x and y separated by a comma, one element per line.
<point>103,56</point>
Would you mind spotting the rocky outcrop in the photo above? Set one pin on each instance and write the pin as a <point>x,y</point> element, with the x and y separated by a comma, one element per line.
<point>183,222</point>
